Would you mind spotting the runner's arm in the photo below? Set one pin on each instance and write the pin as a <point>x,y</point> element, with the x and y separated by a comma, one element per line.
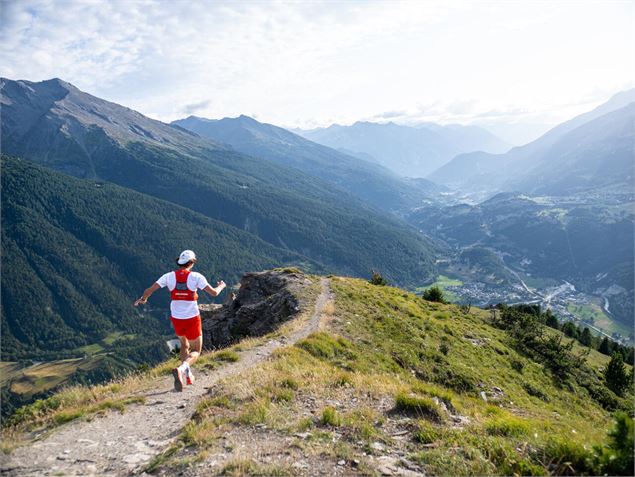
<point>220,286</point>
<point>146,294</point>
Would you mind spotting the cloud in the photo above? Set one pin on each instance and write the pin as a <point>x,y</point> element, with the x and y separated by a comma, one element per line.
<point>194,107</point>
<point>313,63</point>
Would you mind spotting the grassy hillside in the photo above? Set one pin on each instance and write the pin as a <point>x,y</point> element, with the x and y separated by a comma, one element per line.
<point>395,382</point>
<point>391,373</point>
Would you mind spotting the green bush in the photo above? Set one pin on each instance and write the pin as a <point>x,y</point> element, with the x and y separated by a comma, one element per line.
<point>426,433</point>
<point>517,365</point>
<point>617,457</point>
<point>419,406</point>
<point>565,457</point>
<point>616,376</point>
<point>536,392</point>
<point>330,417</point>
<point>435,294</point>
<point>508,426</point>
<point>377,279</point>
<point>455,380</point>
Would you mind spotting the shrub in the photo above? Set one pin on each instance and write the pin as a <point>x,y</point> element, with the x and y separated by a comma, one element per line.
<point>228,356</point>
<point>616,376</point>
<point>568,458</point>
<point>419,406</point>
<point>517,365</point>
<point>255,412</point>
<point>330,417</point>
<point>454,380</point>
<point>435,294</point>
<point>508,426</point>
<point>67,416</point>
<point>377,279</point>
<point>289,383</point>
<point>536,392</point>
<point>617,457</point>
<point>426,433</point>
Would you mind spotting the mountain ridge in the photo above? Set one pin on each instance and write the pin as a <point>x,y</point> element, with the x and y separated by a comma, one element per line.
<point>407,150</point>
<point>367,180</point>
<point>506,171</point>
<point>282,206</point>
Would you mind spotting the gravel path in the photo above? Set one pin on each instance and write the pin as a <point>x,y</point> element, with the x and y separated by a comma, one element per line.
<point>120,444</point>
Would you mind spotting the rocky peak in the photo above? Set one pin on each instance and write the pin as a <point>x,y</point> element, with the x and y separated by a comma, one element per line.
<point>263,302</point>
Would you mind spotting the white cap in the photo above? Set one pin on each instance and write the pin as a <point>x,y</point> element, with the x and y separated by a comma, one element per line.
<point>186,256</point>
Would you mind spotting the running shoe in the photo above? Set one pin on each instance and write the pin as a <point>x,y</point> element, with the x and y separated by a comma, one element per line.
<point>178,379</point>
<point>189,376</point>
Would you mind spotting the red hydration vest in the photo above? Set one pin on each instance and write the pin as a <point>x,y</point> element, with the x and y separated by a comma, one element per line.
<point>181,291</point>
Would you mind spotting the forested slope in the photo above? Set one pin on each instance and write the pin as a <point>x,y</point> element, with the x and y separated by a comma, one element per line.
<point>76,252</point>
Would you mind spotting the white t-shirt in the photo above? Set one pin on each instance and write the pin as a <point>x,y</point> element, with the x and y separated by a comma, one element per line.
<point>183,309</point>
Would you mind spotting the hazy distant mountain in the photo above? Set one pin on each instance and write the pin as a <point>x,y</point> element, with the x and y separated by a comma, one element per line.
<point>516,134</point>
<point>409,151</point>
<point>364,179</point>
<point>594,149</point>
<point>468,138</point>
<point>55,124</point>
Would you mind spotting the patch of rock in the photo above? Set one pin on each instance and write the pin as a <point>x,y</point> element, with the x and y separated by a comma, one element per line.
<point>263,302</point>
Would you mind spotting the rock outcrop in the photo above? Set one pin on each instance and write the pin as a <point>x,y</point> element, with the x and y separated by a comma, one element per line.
<point>263,302</point>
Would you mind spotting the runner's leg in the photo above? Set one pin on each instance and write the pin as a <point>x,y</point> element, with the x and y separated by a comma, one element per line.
<point>195,346</point>
<point>185,348</point>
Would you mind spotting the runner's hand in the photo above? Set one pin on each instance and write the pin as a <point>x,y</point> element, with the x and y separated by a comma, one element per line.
<point>140,301</point>
<point>221,284</point>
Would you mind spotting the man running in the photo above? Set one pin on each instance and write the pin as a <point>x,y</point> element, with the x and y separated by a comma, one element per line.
<point>185,317</point>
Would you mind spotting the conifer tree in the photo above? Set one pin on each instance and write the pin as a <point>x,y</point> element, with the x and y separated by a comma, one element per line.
<point>605,347</point>
<point>585,337</point>
<point>551,320</point>
<point>616,376</point>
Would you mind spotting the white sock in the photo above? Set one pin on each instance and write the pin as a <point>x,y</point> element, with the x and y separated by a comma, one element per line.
<point>184,367</point>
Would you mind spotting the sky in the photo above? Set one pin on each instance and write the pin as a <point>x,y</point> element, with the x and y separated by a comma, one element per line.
<point>508,65</point>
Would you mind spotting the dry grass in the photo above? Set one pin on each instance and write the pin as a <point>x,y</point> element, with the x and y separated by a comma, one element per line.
<point>375,355</point>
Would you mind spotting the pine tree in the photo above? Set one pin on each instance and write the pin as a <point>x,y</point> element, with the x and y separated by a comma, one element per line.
<point>605,346</point>
<point>551,320</point>
<point>570,329</point>
<point>585,337</point>
<point>616,376</point>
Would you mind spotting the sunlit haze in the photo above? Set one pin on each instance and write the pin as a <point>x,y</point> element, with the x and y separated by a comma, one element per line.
<point>311,64</point>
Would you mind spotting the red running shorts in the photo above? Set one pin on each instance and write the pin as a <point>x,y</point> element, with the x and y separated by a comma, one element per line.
<point>190,327</point>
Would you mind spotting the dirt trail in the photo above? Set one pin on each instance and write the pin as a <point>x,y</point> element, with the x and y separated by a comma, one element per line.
<point>121,444</point>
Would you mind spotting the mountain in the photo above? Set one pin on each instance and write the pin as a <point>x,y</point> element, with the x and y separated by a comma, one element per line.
<point>468,138</point>
<point>409,151</point>
<point>54,123</point>
<point>83,250</point>
<point>57,125</point>
<point>587,242</point>
<point>363,179</point>
<point>594,149</point>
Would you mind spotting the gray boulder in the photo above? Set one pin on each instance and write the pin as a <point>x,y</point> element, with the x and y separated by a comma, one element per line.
<point>263,302</point>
